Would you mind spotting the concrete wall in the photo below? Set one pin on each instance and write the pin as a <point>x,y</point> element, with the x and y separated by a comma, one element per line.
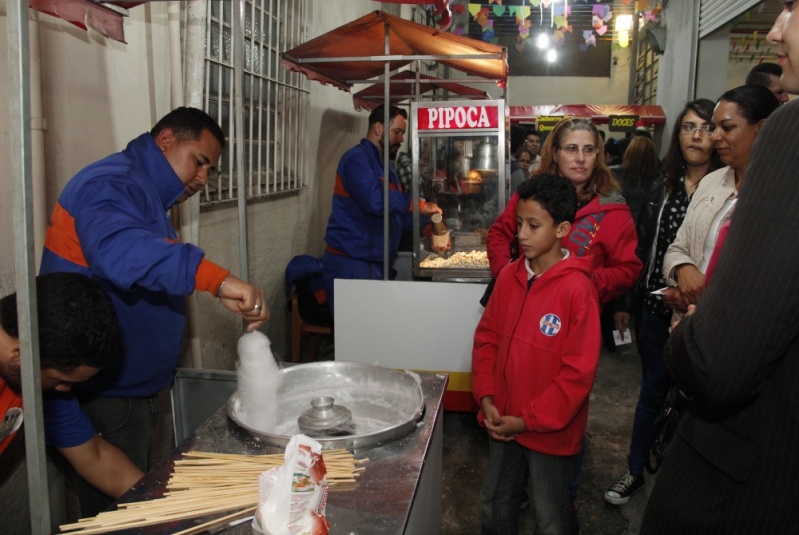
<point>677,67</point>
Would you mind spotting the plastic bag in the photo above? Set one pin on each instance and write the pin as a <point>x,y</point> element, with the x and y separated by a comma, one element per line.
<point>292,497</point>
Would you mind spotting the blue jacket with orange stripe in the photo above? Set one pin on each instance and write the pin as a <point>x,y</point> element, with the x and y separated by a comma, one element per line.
<point>111,223</point>
<point>355,227</point>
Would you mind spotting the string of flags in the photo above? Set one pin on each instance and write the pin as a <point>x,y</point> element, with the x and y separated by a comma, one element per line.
<point>531,14</point>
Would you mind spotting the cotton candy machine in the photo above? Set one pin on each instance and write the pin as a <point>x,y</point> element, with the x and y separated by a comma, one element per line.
<point>384,405</point>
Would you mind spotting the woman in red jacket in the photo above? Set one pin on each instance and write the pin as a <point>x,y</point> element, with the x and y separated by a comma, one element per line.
<point>603,229</point>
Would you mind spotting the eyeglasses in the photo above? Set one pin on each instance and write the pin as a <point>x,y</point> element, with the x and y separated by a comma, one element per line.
<point>572,150</point>
<point>688,129</point>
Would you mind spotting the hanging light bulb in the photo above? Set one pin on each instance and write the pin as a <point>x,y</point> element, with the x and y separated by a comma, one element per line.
<point>552,55</point>
<point>624,23</point>
<point>542,41</point>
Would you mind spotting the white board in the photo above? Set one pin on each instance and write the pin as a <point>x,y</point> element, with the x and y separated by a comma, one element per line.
<point>399,324</point>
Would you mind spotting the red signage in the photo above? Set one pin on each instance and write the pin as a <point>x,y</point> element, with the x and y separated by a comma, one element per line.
<point>457,118</point>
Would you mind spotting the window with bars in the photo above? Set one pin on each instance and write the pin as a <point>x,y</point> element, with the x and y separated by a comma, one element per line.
<point>274,100</point>
<point>646,74</point>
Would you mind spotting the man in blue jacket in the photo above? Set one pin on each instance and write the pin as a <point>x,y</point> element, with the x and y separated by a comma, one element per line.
<point>111,222</point>
<point>355,229</point>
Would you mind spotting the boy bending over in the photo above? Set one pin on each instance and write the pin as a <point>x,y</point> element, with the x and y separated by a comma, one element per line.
<point>534,361</point>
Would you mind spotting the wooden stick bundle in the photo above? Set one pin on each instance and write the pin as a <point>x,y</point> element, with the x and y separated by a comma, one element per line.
<point>203,484</point>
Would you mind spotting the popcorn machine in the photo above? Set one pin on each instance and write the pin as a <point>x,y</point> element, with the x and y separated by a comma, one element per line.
<point>459,162</point>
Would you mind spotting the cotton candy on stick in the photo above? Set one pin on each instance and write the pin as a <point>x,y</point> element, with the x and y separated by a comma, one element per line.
<point>258,382</point>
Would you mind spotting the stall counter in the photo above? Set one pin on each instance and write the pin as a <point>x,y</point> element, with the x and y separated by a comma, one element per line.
<point>399,492</point>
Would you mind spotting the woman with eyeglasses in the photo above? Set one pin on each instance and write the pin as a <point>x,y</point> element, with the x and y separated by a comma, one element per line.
<point>603,228</point>
<point>690,158</point>
<point>737,119</point>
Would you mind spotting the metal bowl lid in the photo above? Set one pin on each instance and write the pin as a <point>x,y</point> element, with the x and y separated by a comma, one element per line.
<point>324,415</point>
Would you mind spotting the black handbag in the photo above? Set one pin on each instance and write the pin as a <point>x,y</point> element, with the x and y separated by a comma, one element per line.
<point>665,427</point>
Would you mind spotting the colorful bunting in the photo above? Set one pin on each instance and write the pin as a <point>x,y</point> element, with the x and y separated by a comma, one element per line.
<point>484,15</point>
<point>649,15</point>
<point>520,12</point>
<point>600,11</point>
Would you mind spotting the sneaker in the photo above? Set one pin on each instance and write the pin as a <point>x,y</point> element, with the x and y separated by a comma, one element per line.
<point>619,493</point>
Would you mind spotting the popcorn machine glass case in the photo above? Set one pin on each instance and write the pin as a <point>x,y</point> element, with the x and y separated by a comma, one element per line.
<point>458,151</point>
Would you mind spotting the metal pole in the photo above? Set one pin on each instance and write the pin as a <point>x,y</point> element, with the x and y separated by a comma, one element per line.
<point>633,60</point>
<point>386,175</point>
<point>27,311</point>
<point>238,99</point>
<point>192,95</point>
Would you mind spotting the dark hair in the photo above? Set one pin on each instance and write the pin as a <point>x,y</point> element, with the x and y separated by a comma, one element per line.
<point>640,163</point>
<point>674,163</point>
<point>755,101</point>
<point>519,154</point>
<point>602,181</point>
<point>377,114</point>
<point>77,322</point>
<point>532,132</point>
<point>188,124</point>
<point>761,74</point>
<point>517,137</point>
<point>555,194</point>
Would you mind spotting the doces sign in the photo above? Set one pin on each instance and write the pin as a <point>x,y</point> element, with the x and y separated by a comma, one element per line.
<point>622,123</point>
<point>457,118</point>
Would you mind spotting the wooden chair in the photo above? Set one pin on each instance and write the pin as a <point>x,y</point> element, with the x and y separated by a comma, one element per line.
<point>299,328</point>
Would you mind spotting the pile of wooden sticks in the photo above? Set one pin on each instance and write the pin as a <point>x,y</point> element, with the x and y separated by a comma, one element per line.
<point>204,484</point>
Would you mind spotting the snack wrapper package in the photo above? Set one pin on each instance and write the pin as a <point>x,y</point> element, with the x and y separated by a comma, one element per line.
<point>292,497</point>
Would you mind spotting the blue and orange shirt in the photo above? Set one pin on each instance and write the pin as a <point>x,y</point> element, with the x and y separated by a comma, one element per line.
<point>111,223</point>
<point>355,227</point>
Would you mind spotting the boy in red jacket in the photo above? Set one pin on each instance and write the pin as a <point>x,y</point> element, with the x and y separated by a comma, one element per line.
<point>534,361</point>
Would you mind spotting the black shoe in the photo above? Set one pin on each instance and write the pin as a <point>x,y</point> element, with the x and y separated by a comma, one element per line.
<point>575,527</point>
<point>619,493</point>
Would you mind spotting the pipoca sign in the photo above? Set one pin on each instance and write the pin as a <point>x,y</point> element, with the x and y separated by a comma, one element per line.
<point>457,118</point>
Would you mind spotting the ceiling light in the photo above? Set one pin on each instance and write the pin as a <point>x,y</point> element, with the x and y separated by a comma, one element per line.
<point>542,41</point>
<point>624,23</point>
<point>552,55</point>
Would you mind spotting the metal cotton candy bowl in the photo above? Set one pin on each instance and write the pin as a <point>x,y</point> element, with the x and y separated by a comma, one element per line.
<point>385,403</point>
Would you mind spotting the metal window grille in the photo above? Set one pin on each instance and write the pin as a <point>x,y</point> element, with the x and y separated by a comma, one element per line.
<point>646,74</point>
<point>391,8</point>
<point>274,100</point>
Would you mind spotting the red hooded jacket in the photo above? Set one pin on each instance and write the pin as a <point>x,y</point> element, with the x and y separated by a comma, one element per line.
<point>536,352</point>
<point>603,229</point>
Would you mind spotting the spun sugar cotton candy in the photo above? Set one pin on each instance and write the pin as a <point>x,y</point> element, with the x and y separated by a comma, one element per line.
<point>258,382</point>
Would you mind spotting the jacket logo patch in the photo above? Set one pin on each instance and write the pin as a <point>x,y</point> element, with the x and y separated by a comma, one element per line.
<point>11,422</point>
<point>550,324</point>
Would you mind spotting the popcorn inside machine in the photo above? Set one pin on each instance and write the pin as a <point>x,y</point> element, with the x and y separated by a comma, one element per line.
<point>460,163</point>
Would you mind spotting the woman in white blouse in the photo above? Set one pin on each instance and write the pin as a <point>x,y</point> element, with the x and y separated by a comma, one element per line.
<point>737,119</point>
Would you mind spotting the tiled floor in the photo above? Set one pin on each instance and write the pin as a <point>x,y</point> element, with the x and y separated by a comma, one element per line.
<point>610,421</point>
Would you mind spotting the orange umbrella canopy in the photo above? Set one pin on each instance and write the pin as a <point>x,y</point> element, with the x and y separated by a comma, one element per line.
<point>401,89</point>
<point>357,42</point>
